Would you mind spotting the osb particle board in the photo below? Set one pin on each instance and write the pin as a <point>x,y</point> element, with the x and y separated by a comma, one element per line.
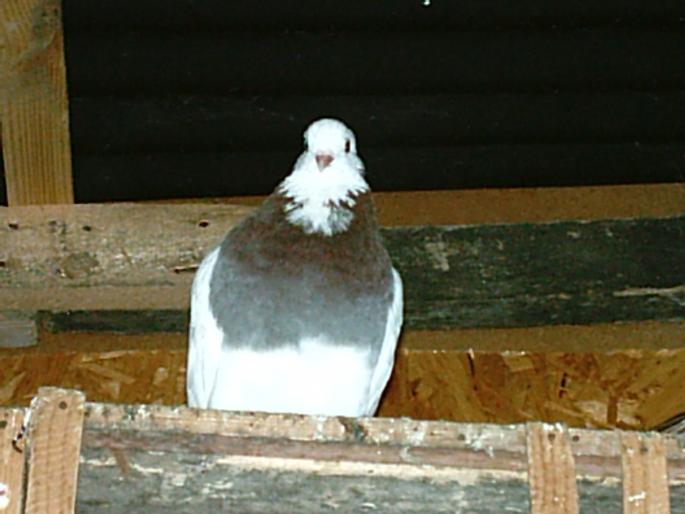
<point>631,385</point>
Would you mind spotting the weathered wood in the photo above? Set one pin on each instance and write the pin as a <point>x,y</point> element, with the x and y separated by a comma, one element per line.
<point>11,461</point>
<point>17,329</point>
<point>54,446</point>
<point>551,470</point>
<point>150,457</point>
<point>33,98</point>
<point>645,474</point>
<point>468,276</point>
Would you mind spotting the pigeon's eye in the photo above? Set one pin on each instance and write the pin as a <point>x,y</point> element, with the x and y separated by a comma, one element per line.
<point>348,145</point>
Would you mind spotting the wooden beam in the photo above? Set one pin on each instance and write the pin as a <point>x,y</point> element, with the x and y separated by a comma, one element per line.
<point>54,446</point>
<point>153,457</point>
<point>533,205</point>
<point>512,275</point>
<point>33,99</point>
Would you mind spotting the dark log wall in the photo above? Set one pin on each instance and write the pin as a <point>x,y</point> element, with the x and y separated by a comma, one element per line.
<point>209,98</point>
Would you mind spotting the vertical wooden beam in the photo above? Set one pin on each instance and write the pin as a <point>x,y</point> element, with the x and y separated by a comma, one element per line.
<point>551,470</point>
<point>645,476</point>
<point>34,105</point>
<point>11,462</point>
<point>54,446</point>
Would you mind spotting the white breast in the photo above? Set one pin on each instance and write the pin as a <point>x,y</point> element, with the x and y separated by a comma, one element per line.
<point>316,377</point>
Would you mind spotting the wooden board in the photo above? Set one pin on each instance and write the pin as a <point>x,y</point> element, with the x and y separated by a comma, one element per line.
<point>53,447</point>
<point>136,457</point>
<point>33,102</point>
<point>645,474</point>
<point>572,272</point>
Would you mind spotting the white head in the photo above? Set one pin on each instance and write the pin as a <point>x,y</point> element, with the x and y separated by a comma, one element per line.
<point>326,178</point>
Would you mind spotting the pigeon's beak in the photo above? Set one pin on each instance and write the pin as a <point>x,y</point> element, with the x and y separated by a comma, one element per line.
<point>323,160</point>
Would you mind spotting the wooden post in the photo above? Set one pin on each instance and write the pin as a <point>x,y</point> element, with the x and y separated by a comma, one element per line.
<point>11,461</point>
<point>33,103</point>
<point>551,470</point>
<point>645,476</point>
<point>54,446</point>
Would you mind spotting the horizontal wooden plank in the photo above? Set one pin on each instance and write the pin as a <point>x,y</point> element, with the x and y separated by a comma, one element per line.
<point>385,62</point>
<point>313,463</point>
<point>242,123</point>
<point>127,177</point>
<point>460,276</point>
<point>534,205</point>
<point>113,15</point>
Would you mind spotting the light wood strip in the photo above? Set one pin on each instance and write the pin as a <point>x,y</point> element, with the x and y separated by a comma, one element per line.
<point>33,99</point>
<point>645,476</point>
<point>11,461</point>
<point>54,433</point>
<point>551,470</point>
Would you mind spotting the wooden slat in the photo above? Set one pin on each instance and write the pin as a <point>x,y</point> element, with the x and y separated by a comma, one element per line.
<point>11,461</point>
<point>33,96</point>
<point>148,457</point>
<point>551,470</point>
<point>645,475</point>
<point>54,446</point>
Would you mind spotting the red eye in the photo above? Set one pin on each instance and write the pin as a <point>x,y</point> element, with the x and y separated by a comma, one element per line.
<point>347,146</point>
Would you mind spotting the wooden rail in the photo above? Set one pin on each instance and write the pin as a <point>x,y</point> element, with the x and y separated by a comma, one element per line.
<point>146,458</point>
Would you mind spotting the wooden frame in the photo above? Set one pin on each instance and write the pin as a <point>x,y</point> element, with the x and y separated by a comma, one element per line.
<point>153,458</point>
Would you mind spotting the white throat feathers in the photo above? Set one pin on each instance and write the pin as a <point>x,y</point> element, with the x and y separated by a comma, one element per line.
<point>325,181</point>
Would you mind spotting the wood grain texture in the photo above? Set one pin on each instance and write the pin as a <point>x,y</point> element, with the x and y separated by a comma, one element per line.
<point>33,96</point>
<point>527,274</point>
<point>551,470</point>
<point>217,460</point>
<point>532,205</point>
<point>54,446</point>
<point>17,329</point>
<point>645,474</point>
<point>11,462</point>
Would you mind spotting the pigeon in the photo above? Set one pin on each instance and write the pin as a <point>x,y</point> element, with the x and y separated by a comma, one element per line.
<point>299,309</point>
